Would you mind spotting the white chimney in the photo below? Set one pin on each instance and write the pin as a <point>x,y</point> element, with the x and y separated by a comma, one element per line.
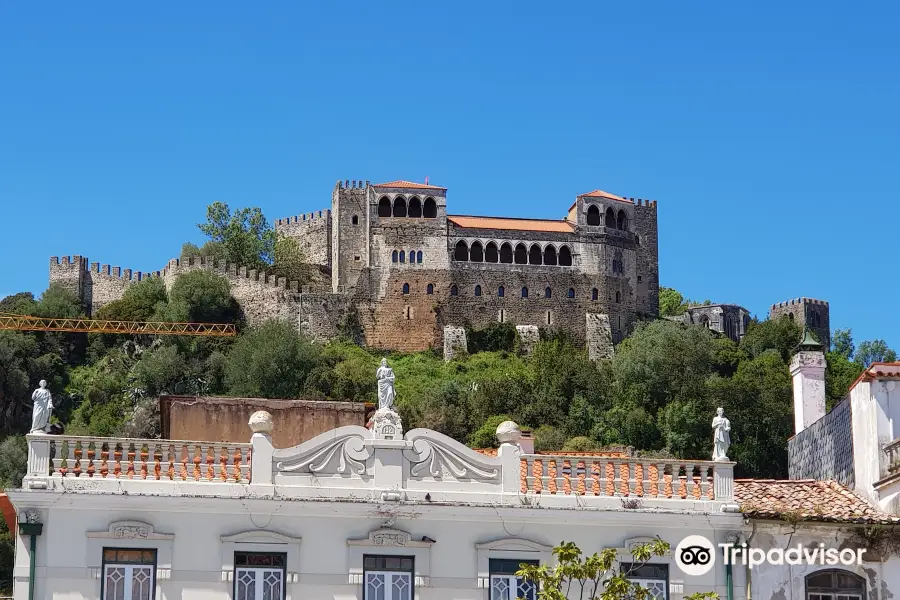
<point>526,442</point>
<point>808,374</point>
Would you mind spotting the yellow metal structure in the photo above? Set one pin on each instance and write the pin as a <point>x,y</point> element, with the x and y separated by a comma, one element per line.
<point>28,323</point>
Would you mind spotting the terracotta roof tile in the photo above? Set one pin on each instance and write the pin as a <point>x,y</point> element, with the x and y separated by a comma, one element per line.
<point>549,225</point>
<point>879,370</point>
<point>408,185</point>
<point>602,194</point>
<point>806,499</point>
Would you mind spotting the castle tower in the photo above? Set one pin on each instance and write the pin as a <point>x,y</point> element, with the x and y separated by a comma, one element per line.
<point>647,285</point>
<point>70,273</point>
<point>808,374</point>
<point>351,218</point>
<point>809,313</point>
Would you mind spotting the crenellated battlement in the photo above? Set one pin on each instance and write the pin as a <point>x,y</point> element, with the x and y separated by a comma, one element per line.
<point>304,218</point>
<point>799,301</point>
<point>644,203</point>
<point>221,267</point>
<point>350,184</point>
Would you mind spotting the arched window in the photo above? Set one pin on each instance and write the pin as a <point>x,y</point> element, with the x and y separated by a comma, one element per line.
<point>704,321</point>
<point>405,288</point>
<point>429,210</point>
<point>506,254</point>
<point>610,218</point>
<point>394,256</point>
<point>500,291</point>
<point>535,255</point>
<point>618,297</point>
<point>565,257</point>
<point>622,220</point>
<point>618,265</point>
<point>477,290</point>
<point>521,255</point>
<point>429,289</point>
<point>791,317</point>
<point>730,327</point>
<point>570,293</point>
<point>399,206</point>
<point>490,253</point>
<point>524,292</point>
<point>475,253</point>
<point>548,293</point>
<point>415,207</point>
<point>593,215</point>
<point>835,583</point>
<point>594,294</point>
<point>462,251</point>
<point>549,255</point>
<point>419,257</point>
<point>384,207</point>
<point>355,220</point>
<point>402,256</point>
<point>454,291</point>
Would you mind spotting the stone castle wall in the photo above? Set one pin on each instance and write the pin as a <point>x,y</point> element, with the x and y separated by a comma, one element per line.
<point>647,284</point>
<point>313,232</point>
<point>807,311</point>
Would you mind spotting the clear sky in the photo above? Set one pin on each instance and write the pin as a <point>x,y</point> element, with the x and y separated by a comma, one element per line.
<point>768,132</point>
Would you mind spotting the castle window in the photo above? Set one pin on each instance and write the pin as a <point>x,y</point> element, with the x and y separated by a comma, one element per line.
<point>429,289</point>
<point>402,256</point>
<point>419,257</point>
<point>549,318</point>
<point>355,220</point>
<point>477,290</point>
<point>524,292</point>
<point>356,258</point>
<point>534,255</point>
<point>640,279</point>
<point>548,293</point>
<point>610,218</point>
<point>412,257</point>
<point>571,293</point>
<point>454,291</point>
<point>565,257</point>
<point>399,206</point>
<point>415,207</point>
<point>506,254</point>
<point>462,251</point>
<point>593,215</point>
<point>594,294</point>
<point>622,221</point>
<point>405,289</point>
<point>394,256</point>
<point>704,321</point>
<point>835,584</point>
<point>384,207</point>
<point>500,291</point>
<point>550,255</point>
<point>521,255</point>
<point>476,254</point>
<point>429,210</point>
<point>791,317</point>
<point>490,253</point>
<point>501,316</point>
<point>618,265</point>
<point>407,312</point>
<point>618,296</point>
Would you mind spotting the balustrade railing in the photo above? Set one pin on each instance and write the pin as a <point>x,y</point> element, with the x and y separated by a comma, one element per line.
<point>890,464</point>
<point>104,458</point>
<point>627,477</point>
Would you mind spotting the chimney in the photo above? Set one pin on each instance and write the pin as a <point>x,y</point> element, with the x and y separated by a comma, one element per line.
<point>808,374</point>
<point>526,442</point>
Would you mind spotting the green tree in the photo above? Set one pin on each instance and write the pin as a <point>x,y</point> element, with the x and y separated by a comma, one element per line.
<point>840,369</point>
<point>246,238</point>
<point>548,439</point>
<point>493,338</point>
<point>580,443</point>
<point>13,461</point>
<point>671,302</point>
<point>22,303</point>
<point>780,334</point>
<point>486,435</point>
<point>842,343</point>
<point>290,260</point>
<point>872,352</point>
<point>200,297</point>
<point>139,302</point>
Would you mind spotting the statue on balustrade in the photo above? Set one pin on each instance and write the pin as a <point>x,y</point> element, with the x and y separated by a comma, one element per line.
<point>385,376</point>
<point>41,409</point>
<point>721,435</point>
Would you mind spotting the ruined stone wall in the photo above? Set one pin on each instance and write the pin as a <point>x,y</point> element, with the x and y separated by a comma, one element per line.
<point>809,311</point>
<point>728,319</point>
<point>325,317</point>
<point>313,231</point>
<point>647,284</point>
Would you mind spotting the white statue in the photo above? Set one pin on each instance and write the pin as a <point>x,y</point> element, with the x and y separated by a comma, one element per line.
<point>40,412</point>
<point>385,376</point>
<point>721,436</point>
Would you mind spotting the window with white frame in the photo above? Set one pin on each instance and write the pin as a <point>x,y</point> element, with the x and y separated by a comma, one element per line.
<point>835,584</point>
<point>128,574</point>
<point>387,577</point>
<point>259,575</point>
<point>504,583</point>
<point>653,577</point>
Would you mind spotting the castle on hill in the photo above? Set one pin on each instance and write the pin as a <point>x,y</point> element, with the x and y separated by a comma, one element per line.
<point>406,275</point>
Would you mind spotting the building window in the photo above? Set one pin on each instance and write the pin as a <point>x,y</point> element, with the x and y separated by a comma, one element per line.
<point>259,576</point>
<point>402,256</point>
<point>548,293</point>
<point>356,258</point>
<point>355,220</point>
<point>394,256</point>
<point>405,289</point>
<point>549,318</point>
<point>550,255</point>
<point>491,254</point>
<point>618,296</point>
<point>640,278</point>
<point>384,207</point>
<point>500,291</point>
<point>429,210</point>
<point>419,257</point>
<point>462,251</point>
<point>454,291</point>
<point>593,215</point>
<point>835,584</point>
<point>521,255</point>
<point>387,577</point>
<point>565,257</point>
<point>571,293</point>
<point>128,573</point>
<point>501,316</point>
<point>524,292</point>
<point>477,290</point>
<point>504,583</point>
<point>399,206</point>
<point>506,254</point>
<point>622,221</point>
<point>655,578</point>
<point>429,289</point>
<point>415,207</point>
<point>594,294</point>
<point>610,218</point>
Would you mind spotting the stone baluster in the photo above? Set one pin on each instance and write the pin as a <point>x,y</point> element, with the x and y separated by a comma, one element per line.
<point>617,477</point>
<point>689,480</point>
<point>70,457</point>
<point>661,480</point>
<point>632,478</point>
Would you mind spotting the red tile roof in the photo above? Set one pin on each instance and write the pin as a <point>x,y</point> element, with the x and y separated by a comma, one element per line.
<point>879,370</point>
<point>807,500</point>
<point>548,225</point>
<point>408,185</point>
<point>9,513</point>
<point>602,194</point>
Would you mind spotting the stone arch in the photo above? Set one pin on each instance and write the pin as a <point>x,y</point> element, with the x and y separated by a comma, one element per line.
<point>791,317</point>
<point>570,293</point>
<point>535,256</point>
<point>399,206</point>
<point>405,289</point>
<point>593,215</point>
<point>610,218</point>
<point>490,253</point>
<point>565,257</point>
<point>524,292</point>
<point>429,289</point>
<point>521,257</point>
<point>429,209</point>
<point>394,256</point>
<point>506,253</point>
<point>476,254</point>
<point>622,220</point>
<point>704,321</point>
<point>454,291</point>
<point>419,257</point>
<point>402,256</point>
<point>384,207</point>
<point>835,583</point>
<point>415,207</point>
<point>548,293</point>
<point>477,290</point>
<point>595,294</point>
<point>462,251</point>
<point>550,255</point>
<point>730,326</point>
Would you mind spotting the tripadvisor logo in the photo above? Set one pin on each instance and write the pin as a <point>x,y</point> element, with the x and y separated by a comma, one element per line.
<point>695,555</point>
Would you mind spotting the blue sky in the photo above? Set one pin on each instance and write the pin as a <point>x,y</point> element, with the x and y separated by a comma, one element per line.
<point>768,132</point>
